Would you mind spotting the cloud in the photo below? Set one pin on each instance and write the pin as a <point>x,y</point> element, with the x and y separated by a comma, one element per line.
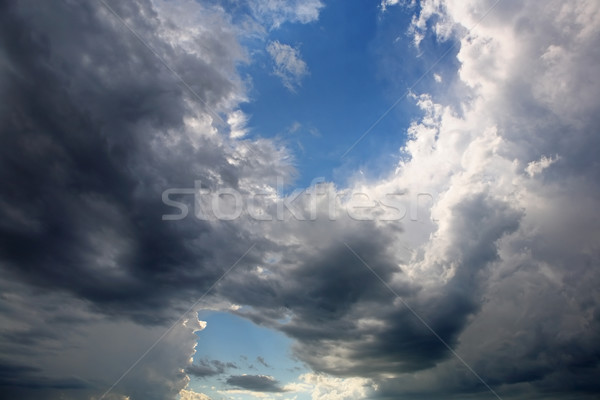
<point>294,127</point>
<point>205,368</point>
<point>237,120</point>
<point>351,325</point>
<point>94,130</point>
<point>324,387</point>
<point>498,147</point>
<point>277,12</point>
<point>30,377</point>
<point>100,241</point>
<point>499,261</point>
<point>536,167</point>
<point>388,3</point>
<point>262,361</point>
<point>255,383</point>
<point>289,65</point>
<point>498,240</point>
<point>191,395</point>
<point>48,338</point>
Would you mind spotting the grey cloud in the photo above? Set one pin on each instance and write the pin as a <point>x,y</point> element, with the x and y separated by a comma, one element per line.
<point>534,328</point>
<point>514,279</point>
<point>255,383</point>
<point>336,303</point>
<point>205,368</point>
<point>331,292</point>
<point>202,371</point>
<point>93,130</point>
<point>90,120</point>
<point>71,349</point>
<point>20,376</point>
<point>262,361</point>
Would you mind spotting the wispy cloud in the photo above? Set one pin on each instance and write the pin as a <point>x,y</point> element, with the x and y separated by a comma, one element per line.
<point>262,362</point>
<point>288,64</point>
<point>277,12</point>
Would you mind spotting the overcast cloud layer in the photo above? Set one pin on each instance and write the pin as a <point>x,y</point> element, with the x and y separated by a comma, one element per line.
<point>501,262</point>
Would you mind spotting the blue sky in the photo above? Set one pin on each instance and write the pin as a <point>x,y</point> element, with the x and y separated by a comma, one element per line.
<point>360,62</point>
<point>252,349</point>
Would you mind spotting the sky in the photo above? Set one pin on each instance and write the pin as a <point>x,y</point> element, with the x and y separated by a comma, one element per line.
<point>299,200</point>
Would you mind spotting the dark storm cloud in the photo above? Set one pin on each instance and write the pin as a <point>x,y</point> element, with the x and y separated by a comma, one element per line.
<point>337,303</point>
<point>255,383</point>
<point>93,130</point>
<point>18,381</point>
<point>86,118</point>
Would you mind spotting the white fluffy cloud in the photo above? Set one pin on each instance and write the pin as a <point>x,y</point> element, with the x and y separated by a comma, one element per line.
<point>191,395</point>
<point>330,388</point>
<point>54,341</point>
<point>514,182</point>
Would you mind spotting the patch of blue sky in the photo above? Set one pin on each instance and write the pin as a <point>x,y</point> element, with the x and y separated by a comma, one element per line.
<point>360,62</point>
<point>233,339</point>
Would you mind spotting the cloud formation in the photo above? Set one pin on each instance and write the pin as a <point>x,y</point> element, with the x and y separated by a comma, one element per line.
<point>500,261</point>
<point>503,168</point>
<point>191,395</point>
<point>94,129</point>
<point>288,64</point>
<point>204,368</point>
<point>277,12</point>
<point>255,383</point>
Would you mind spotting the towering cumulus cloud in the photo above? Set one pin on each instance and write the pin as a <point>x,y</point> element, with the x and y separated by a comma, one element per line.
<point>487,287</point>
